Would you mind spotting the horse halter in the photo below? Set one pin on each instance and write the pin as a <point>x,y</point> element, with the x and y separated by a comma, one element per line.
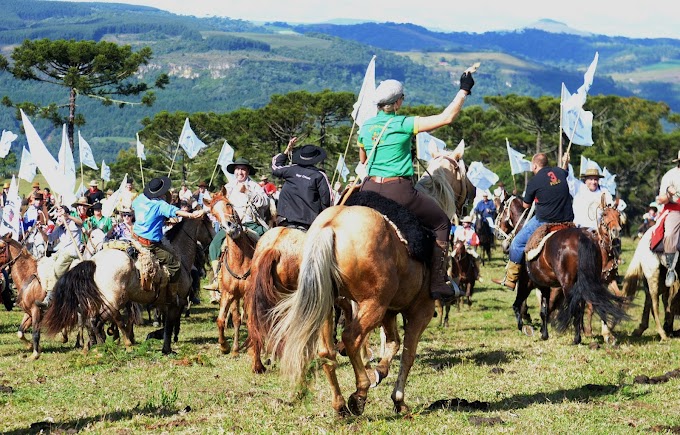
<point>6,260</point>
<point>229,222</point>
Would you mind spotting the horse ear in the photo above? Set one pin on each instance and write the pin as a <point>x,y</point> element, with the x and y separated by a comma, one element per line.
<point>604,201</point>
<point>223,191</point>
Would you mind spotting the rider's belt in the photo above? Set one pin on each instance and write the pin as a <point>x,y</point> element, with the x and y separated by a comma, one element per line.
<point>383,180</point>
<point>142,241</point>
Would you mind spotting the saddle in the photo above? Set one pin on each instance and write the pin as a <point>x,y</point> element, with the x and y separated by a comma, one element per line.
<point>418,239</point>
<point>541,235</point>
<point>152,275</point>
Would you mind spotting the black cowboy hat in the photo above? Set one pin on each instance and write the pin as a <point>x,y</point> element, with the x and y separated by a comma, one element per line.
<point>96,206</point>
<point>242,162</point>
<point>308,155</point>
<point>157,187</point>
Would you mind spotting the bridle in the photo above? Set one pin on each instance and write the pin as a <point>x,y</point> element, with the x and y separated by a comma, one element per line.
<point>506,216</point>
<point>6,255</point>
<point>235,219</point>
<point>606,234</point>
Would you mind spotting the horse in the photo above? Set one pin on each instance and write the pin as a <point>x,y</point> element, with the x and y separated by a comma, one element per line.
<point>353,252</point>
<point>570,264</point>
<point>510,218</point>
<point>274,273</point>
<point>464,270</point>
<point>110,280</point>
<point>608,234</point>
<point>485,235</point>
<point>235,261</point>
<point>646,264</point>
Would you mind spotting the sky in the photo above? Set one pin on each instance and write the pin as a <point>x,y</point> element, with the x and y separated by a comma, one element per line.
<point>651,19</point>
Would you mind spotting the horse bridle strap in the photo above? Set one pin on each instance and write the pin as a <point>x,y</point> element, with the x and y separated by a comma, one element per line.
<point>6,253</point>
<point>231,272</point>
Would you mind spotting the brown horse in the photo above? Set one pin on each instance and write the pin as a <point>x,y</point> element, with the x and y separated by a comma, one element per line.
<point>509,220</point>
<point>569,263</point>
<point>235,268</point>
<point>464,270</point>
<point>24,270</point>
<point>355,253</point>
<point>110,280</point>
<point>274,273</point>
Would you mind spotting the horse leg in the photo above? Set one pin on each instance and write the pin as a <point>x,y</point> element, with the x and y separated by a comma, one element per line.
<point>236,320</point>
<point>447,309</point>
<point>416,321</point>
<point>578,323</point>
<point>545,313</point>
<point>522,289</point>
<point>644,319</point>
<point>328,355</point>
<point>172,317</point>
<point>654,294</point>
<point>21,332</point>
<point>588,326</point>
<point>118,321</point>
<point>226,299</point>
<point>35,326</point>
<point>439,311</point>
<point>392,343</point>
<point>355,334</point>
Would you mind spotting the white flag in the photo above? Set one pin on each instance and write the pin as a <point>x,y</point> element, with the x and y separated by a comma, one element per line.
<point>67,167</point>
<point>576,122</point>
<point>80,191</point>
<point>110,204</point>
<point>586,163</point>
<point>226,155</point>
<point>189,141</point>
<point>6,142</point>
<point>342,168</point>
<point>11,218</point>
<point>365,108</point>
<point>427,145</point>
<point>608,181</point>
<point>517,162</point>
<point>481,177</point>
<point>28,167</point>
<point>41,156</point>
<point>86,156</point>
<point>106,172</point>
<point>140,149</point>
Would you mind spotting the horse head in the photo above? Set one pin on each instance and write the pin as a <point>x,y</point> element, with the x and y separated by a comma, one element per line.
<point>610,222</point>
<point>226,215</point>
<point>458,251</point>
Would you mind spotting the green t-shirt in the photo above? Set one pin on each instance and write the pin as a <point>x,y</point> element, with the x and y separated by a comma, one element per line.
<point>105,223</point>
<point>393,156</point>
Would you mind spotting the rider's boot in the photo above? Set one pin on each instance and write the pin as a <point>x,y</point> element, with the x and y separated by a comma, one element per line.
<point>511,275</point>
<point>45,303</point>
<point>214,284</point>
<point>439,287</point>
<point>671,259</point>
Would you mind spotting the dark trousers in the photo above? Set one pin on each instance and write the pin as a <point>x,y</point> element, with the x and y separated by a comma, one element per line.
<point>425,208</point>
<point>167,258</point>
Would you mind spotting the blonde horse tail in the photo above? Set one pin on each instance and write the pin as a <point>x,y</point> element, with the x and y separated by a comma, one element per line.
<point>299,317</point>
<point>633,274</point>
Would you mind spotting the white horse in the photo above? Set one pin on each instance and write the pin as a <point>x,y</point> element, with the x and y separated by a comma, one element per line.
<point>647,264</point>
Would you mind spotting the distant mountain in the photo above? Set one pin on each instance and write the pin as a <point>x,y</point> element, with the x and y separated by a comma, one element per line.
<point>221,64</point>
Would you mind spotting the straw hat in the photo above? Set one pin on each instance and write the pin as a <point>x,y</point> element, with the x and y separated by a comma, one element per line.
<point>591,172</point>
<point>467,219</point>
<point>81,201</point>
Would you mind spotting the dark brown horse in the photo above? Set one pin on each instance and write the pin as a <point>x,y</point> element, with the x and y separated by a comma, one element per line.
<point>464,271</point>
<point>510,219</point>
<point>570,264</point>
<point>355,253</point>
<point>235,260</point>
<point>485,235</point>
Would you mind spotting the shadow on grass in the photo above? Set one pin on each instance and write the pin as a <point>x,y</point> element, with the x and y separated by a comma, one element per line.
<point>76,425</point>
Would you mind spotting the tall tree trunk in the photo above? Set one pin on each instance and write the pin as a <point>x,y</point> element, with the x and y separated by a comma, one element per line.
<point>71,118</point>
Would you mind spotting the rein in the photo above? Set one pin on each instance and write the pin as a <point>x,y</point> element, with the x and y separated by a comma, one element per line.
<point>234,217</point>
<point>6,253</point>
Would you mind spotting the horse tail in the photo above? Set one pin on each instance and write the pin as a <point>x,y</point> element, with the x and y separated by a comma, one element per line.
<point>75,293</point>
<point>589,288</point>
<point>262,297</point>
<point>633,274</point>
<point>299,318</point>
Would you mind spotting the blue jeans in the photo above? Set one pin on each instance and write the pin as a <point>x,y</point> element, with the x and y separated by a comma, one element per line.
<point>520,241</point>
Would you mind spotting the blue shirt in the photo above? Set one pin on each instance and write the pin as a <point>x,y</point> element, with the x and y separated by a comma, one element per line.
<point>150,216</point>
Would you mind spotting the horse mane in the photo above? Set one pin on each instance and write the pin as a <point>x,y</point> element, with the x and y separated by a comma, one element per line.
<point>438,183</point>
<point>22,248</point>
<point>174,230</point>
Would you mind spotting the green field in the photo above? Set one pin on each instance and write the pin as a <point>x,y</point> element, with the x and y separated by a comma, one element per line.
<point>526,385</point>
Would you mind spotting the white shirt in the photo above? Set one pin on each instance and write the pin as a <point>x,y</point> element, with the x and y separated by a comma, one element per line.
<point>670,178</point>
<point>587,204</point>
<point>243,203</point>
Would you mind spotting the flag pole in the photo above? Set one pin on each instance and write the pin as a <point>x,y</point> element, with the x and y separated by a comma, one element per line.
<point>213,173</point>
<point>560,149</point>
<point>173,159</point>
<point>141,171</point>
<point>573,130</point>
<point>344,156</point>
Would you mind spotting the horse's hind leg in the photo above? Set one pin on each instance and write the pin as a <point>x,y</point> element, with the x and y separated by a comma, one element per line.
<point>236,319</point>
<point>21,332</point>
<point>588,322</point>
<point>328,355</point>
<point>392,343</point>
<point>545,313</point>
<point>416,321</point>
<point>171,318</point>
<point>35,326</point>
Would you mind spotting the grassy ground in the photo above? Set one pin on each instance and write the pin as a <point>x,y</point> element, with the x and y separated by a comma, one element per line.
<point>525,385</point>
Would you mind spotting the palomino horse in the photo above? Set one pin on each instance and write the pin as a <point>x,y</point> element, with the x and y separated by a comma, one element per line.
<point>355,253</point>
<point>110,280</point>
<point>570,263</point>
<point>274,273</point>
<point>646,264</point>
<point>237,254</point>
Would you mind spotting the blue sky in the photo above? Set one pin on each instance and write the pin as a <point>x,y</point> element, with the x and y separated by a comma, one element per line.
<point>651,19</point>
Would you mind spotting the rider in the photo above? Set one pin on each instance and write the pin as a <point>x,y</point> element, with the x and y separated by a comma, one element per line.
<point>390,170</point>
<point>249,201</point>
<point>467,235</point>
<point>306,191</point>
<point>486,209</point>
<point>151,210</point>
<point>549,192</point>
<point>35,213</point>
<point>588,199</point>
<point>669,193</point>
<point>97,220</point>
<point>67,233</point>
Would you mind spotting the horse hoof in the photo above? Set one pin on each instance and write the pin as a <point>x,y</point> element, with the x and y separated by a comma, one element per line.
<point>259,369</point>
<point>168,352</point>
<point>356,404</point>
<point>35,356</point>
<point>528,330</point>
<point>401,408</point>
<point>637,333</point>
<point>610,340</point>
<point>343,412</point>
